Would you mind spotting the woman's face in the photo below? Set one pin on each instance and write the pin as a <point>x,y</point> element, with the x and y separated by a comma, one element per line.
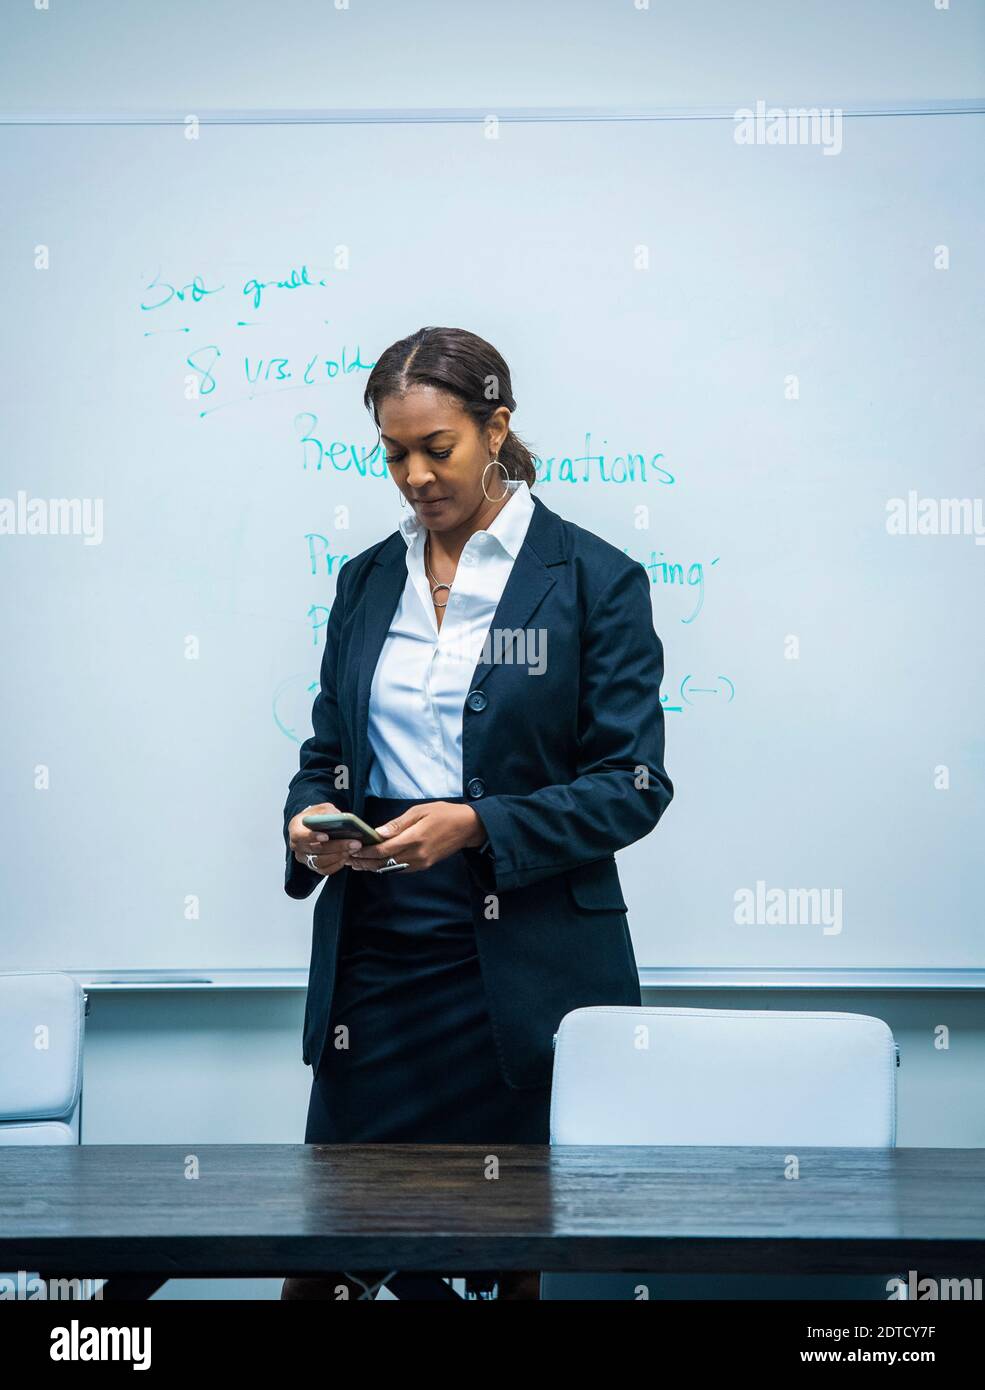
<point>436,455</point>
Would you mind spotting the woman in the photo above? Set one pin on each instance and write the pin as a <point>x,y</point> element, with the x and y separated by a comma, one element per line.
<point>490,702</point>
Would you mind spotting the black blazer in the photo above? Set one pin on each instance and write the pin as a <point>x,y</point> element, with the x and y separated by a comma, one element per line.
<point>563,768</point>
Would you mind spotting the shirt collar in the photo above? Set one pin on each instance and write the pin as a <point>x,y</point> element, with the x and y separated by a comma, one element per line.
<point>508,527</point>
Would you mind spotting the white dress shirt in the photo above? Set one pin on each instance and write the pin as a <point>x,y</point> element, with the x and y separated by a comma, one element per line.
<point>424,672</point>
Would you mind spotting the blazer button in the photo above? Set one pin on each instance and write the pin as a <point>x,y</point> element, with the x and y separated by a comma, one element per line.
<point>476,787</point>
<point>476,699</point>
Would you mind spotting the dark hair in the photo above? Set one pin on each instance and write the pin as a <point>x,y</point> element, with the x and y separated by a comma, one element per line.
<point>464,365</point>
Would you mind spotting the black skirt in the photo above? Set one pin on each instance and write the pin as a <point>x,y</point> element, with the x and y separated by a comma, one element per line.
<point>411,1054</point>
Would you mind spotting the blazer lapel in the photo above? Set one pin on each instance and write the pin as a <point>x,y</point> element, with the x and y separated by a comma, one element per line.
<point>529,581</point>
<point>387,576</point>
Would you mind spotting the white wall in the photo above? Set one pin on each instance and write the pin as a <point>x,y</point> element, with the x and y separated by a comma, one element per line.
<point>114,55</point>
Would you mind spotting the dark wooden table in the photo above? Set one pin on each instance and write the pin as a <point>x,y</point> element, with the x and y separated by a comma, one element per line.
<point>98,1210</point>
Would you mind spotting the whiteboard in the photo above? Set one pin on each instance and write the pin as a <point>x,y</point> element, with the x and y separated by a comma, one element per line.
<point>728,360</point>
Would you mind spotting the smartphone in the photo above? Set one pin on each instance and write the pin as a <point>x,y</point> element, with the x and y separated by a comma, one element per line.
<point>342,825</point>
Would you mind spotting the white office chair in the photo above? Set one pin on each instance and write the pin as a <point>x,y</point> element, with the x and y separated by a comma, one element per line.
<point>725,1077</point>
<point>42,1030</point>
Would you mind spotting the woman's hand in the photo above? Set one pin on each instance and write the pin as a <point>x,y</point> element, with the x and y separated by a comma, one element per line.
<point>328,855</point>
<point>422,836</point>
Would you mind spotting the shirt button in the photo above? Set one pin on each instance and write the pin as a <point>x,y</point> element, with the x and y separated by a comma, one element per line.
<point>476,699</point>
<point>476,788</point>
<point>468,559</point>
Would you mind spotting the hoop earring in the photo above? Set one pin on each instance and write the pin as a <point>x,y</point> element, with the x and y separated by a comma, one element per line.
<point>506,479</point>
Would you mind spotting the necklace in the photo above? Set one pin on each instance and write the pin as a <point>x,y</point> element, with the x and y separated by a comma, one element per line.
<point>435,586</point>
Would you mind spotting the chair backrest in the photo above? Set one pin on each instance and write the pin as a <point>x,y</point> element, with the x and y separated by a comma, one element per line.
<point>723,1076</point>
<point>42,1030</point>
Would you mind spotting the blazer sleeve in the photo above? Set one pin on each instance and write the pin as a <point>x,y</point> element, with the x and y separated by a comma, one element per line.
<point>321,755</point>
<point>621,788</point>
